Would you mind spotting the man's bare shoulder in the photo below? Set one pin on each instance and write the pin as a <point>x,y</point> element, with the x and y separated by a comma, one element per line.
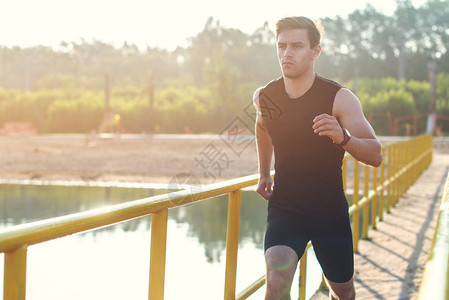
<point>345,95</point>
<point>256,97</point>
<point>345,101</point>
<point>268,88</point>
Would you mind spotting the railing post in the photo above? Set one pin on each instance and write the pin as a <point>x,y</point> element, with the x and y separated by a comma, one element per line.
<point>323,284</point>
<point>302,276</point>
<point>382,191</point>
<point>393,175</point>
<point>404,171</point>
<point>366,206</point>
<point>430,147</point>
<point>355,215</point>
<point>158,254</point>
<point>400,166</point>
<point>375,199</point>
<point>14,283</point>
<point>390,178</point>
<point>232,243</point>
<point>430,156</point>
<point>412,163</point>
<point>422,148</point>
<point>397,168</point>
<point>414,155</point>
<point>409,163</point>
<point>394,167</point>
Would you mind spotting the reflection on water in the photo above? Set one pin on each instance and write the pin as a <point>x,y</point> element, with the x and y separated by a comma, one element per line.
<point>116,258</point>
<point>206,220</point>
<point>26,203</point>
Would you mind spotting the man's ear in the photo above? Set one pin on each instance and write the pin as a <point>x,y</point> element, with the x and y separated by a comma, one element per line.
<point>316,51</point>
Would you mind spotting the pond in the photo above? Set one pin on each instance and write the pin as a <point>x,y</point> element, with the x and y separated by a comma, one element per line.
<point>113,262</point>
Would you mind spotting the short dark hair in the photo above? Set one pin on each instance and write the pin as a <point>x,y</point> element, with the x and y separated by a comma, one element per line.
<point>314,29</point>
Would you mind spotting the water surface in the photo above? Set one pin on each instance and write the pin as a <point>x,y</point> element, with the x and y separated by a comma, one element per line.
<point>113,262</point>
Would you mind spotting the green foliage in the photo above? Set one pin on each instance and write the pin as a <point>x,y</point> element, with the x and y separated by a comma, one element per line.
<point>443,91</point>
<point>17,108</point>
<point>421,94</point>
<point>398,102</point>
<point>178,110</point>
<point>400,98</point>
<point>191,108</point>
<point>133,113</point>
<point>78,115</point>
<point>127,92</point>
<point>388,94</point>
<point>60,81</point>
<point>202,87</point>
<point>414,94</point>
<point>442,102</point>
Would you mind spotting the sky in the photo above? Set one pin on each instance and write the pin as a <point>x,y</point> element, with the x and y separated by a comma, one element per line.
<point>147,23</point>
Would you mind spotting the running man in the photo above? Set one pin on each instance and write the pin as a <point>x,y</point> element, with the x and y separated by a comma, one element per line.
<point>309,122</point>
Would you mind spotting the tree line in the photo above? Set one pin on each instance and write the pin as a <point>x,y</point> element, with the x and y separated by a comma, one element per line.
<point>214,76</point>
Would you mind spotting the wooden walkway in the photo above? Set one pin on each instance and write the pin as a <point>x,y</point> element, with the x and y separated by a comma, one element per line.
<point>391,262</point>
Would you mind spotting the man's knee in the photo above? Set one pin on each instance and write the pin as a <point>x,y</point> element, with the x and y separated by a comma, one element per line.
<point>342,291</point>
<point>348,294</point>
<point>278,285</point>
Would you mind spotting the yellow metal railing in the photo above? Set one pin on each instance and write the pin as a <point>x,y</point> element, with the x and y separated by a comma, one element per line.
<point>405,161</point>
<point>15,240</point>
<point>435,281</point>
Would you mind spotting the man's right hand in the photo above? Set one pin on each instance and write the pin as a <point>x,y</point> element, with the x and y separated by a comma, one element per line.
<point>264,187</point>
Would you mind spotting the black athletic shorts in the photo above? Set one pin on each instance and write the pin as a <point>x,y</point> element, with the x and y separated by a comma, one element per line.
<point>331,240</point>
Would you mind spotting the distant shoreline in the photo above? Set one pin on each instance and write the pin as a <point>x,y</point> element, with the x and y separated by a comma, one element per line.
<point>129,161</point>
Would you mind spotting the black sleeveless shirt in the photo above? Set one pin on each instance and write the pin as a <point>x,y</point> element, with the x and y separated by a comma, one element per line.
<point>308,177</point>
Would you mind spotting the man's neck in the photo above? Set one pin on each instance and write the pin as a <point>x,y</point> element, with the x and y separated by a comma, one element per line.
<point>297,87</point>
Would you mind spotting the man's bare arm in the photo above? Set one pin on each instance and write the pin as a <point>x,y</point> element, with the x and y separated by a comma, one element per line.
<point>264,152</point>
<point>348,113</point>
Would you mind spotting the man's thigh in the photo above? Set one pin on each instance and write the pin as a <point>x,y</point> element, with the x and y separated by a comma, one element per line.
<point>332,243</point>
<point>285,229</point>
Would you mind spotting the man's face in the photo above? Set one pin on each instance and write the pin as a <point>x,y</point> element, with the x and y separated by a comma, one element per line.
<point>294,53</point>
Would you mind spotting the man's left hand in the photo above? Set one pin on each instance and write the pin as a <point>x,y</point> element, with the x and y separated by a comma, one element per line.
<point>327,125</point>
